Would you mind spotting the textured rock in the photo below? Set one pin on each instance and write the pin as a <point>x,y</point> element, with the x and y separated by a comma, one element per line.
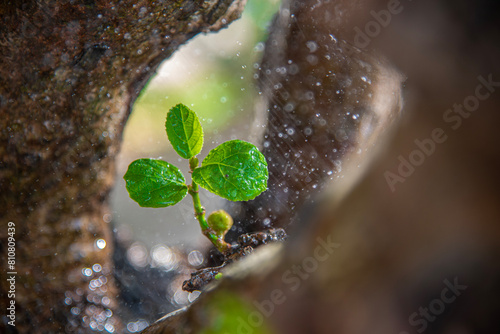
<point>70,72</point>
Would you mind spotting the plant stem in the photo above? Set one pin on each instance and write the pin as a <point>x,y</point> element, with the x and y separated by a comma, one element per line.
<point>199,212</point>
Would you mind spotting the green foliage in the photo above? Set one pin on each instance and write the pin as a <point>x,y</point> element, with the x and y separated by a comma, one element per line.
<point>155,183</point>
<point>184,131</point>
<point>229,313</point>
<point>235,170</point>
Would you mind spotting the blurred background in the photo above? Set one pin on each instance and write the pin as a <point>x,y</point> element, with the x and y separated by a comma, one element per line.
<point>214,75</point>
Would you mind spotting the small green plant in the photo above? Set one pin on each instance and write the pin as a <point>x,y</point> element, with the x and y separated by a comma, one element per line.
<point>234,170</point>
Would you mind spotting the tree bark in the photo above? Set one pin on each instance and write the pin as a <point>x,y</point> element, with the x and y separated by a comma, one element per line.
<point>327,103</point>
<point>71,71</point>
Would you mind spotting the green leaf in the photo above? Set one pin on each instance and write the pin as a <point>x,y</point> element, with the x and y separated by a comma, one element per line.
<point>155,183</point>
<point>235,170</point>
<point>184,131</point>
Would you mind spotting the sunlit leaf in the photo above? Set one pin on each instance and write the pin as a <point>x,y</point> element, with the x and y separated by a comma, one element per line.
<point>184,131</point>
<point>155,183</point>
<point>235,170</point>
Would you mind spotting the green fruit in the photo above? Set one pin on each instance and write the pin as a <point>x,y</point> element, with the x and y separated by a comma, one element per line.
<point>220,222</point>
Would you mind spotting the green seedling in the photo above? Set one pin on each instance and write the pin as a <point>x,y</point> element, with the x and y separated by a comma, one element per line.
<point>234,170</point>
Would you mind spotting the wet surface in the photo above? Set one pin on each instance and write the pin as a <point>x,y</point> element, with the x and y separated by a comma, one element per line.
<point>246,244</point>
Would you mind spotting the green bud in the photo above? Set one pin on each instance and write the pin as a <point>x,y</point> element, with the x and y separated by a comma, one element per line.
<point>220,222</point>
<point>193,163</point>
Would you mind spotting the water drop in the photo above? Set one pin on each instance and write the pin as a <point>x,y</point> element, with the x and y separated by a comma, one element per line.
<point>107,218</point>
<point>100,243</point>
<point>137,255</point>
<point>289,107</point>
<point>162,256</point>
<point>259,47</point>
<point>87,272</point>
<point>338,165</point>
<point>181,297</point>
<point>193,296</point>
<point>109,327</point>
<point>312,46</point>
<point>309,95</point>
<point>195,258</point>
<point>312,59</point>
